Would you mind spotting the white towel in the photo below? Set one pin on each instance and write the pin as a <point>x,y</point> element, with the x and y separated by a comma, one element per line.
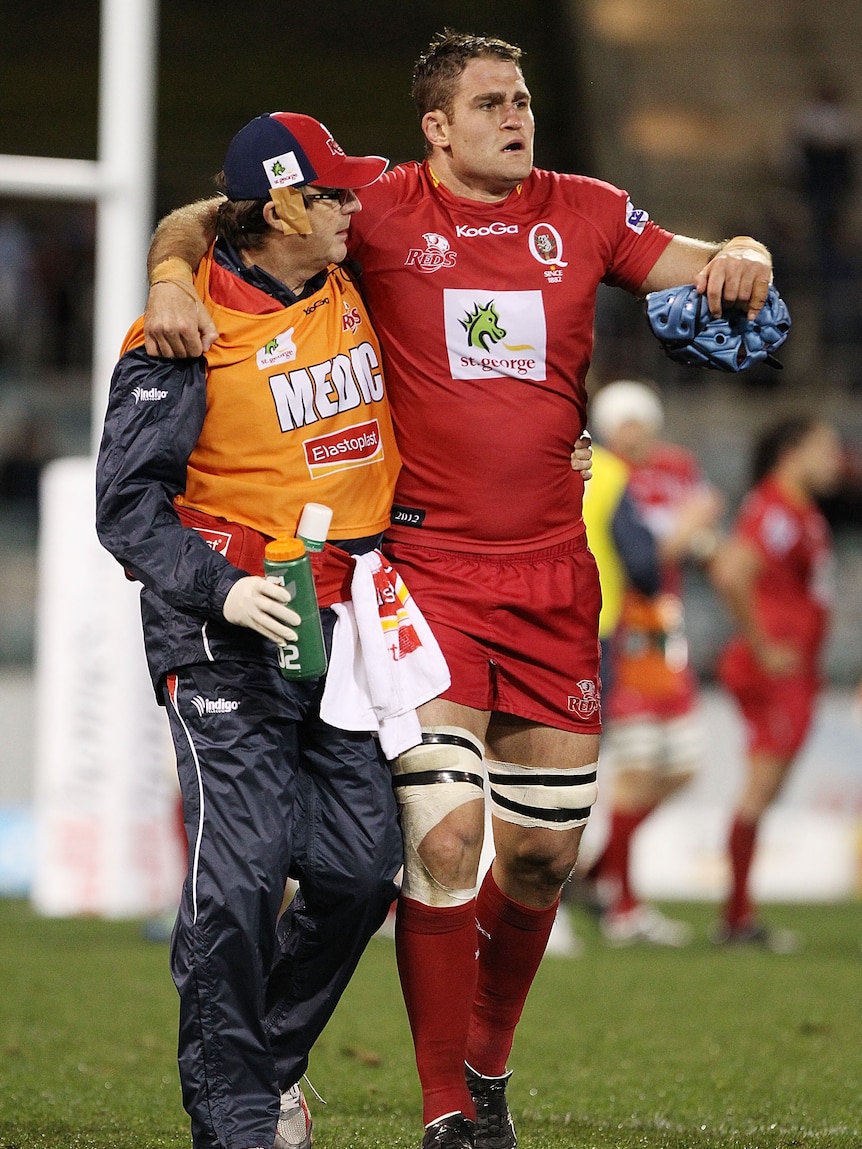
<point>384,661</point>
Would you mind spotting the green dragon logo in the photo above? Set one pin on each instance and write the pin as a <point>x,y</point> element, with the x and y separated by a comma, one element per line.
<point>271,347</point>
<point>482,325</point>
<point>277,168</point>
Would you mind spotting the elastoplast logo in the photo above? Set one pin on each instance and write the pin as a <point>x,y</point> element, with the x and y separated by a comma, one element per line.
<point>354,446</point>
<point>214,705</point>
<point>149,394</point>
<point>463,231</point>
<point>436,254</point>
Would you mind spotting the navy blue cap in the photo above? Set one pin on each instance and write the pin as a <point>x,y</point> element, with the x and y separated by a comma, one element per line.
<point>288,149</point>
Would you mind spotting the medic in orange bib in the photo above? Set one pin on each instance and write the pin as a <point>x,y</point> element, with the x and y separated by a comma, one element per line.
<point>202,460</point>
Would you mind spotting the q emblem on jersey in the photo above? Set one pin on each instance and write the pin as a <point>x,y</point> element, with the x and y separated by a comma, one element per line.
<point>546,246</point>
<point>280,349</point>
<point>495,334</point>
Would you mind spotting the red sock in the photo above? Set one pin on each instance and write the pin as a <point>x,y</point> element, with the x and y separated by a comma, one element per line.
<point>743,836</point>
<point>512,940</point>
<point>616,860</point>
<point>436,951</point>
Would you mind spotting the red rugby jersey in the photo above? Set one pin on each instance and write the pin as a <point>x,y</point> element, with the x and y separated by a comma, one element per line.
<point>794,590</point>
<point>485,314</point>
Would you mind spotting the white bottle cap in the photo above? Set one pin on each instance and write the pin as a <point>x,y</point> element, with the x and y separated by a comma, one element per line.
<point>314,524</point>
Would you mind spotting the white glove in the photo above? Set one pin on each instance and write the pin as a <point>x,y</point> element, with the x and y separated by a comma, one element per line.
<point>261,605</point>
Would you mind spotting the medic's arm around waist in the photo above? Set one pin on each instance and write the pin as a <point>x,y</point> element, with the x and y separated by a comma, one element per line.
<point>155,413</point>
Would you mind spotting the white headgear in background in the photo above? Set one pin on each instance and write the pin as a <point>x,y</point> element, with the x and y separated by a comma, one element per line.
<point>622,401</point>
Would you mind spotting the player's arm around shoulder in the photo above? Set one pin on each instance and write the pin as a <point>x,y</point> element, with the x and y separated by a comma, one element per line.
<point>176,323</point>
<point>735,273</point>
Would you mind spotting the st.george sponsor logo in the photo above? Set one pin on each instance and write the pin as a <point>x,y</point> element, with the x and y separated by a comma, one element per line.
<point>482,324</point>
<point>495,334</point>
<point>353,446</point>
<point>279,349</point>
<point>283,171</point>
<point>214,705</point>
<point>149,394</point>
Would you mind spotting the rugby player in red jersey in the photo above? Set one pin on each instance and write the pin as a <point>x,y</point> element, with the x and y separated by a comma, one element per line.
<point>775,574</point>
<point>481,273</point>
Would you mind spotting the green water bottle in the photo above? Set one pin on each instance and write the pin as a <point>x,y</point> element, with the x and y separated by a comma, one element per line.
<point>286,561</point>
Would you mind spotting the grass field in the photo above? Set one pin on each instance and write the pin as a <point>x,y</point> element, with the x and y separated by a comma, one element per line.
<point>638,1048</point>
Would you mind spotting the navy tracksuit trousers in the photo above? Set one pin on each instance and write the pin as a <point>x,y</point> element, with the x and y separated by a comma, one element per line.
<point>269,792</point>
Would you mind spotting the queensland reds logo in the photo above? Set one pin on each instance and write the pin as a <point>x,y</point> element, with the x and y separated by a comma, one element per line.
<point>437,254</point>
<point>351,318</point>
<point>588,704</point>
<point>546,245</point>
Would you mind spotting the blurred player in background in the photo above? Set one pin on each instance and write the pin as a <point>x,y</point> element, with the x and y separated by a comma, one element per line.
<point>775,573</point>
<point>655,737</point>
<point>481,273</point>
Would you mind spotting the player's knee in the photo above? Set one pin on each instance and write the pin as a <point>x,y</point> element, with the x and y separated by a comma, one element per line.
<point>451,849</point>
<point>437,784</point>
<point>541,861</point>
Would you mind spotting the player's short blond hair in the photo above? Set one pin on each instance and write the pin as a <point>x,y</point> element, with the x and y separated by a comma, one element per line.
<point>440,66</point>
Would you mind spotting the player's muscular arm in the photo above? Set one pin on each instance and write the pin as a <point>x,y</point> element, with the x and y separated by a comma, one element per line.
<point>176,323</point>
<point>737,272</point>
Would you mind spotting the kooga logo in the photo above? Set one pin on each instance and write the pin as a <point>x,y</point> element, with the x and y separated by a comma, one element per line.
<point>214,705</point>
<point>464,231</point>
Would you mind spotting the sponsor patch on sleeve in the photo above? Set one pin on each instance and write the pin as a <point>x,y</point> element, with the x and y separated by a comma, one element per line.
<point>636,218</point>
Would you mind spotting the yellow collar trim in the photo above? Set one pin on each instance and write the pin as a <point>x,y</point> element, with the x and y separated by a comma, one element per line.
<point>435,179</point>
